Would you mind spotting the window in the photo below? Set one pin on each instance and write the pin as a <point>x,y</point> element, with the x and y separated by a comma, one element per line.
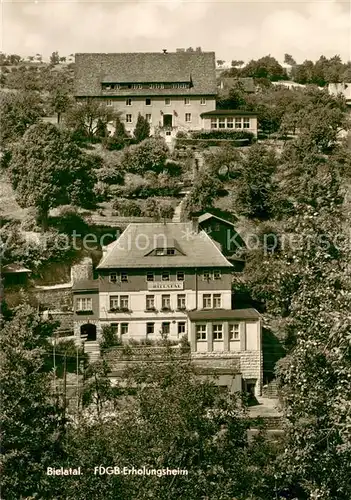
<point>129,118</point>
<point>160,251</point>
<point>124,328</point>
<point>188,117</point>
<point>238,123</point>
<point>201,332</point>
<point>128,102</point>
<point>108,102</point>
<point>217,275</point>
<point>124,302</point>
<point>150,276</point>
<point>217,332</point>
<point>114,302</point>
<point>230,123</point>
<point>181,301</point>
<point>181,327</point>
<point>180,275</point>
<point>150,328</point>
<point>221,123</point>
<point>203,101</point>
<point>166,301</point>
<point>170,251</point>
<point>214,123</point>
<point>124,277</point>
<point>165,276</point>
<point>246,122</point>
<point>150,302</point>
<point>217,227</point>
<point>113,278</point>
<point>84,304</point>
<point>148,118</point>
<point>206,275</point>
<point>234,333</point>
<point>114,326</point>
<point>165,328</point>
<point>206,301</point>
<point>137,86</point>
<point>167,101</point>
<point>187,101</point>
<point>148,101</point>
<point>217,302</point>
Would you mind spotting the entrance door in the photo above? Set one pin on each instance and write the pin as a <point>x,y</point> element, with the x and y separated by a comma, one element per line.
<point>167,120</point>
<point>88,331</point>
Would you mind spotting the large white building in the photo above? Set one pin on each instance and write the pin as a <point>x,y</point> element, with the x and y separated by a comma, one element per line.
<point>171,280</point>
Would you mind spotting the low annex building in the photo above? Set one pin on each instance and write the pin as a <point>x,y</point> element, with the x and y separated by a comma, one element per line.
<point>171,280</point>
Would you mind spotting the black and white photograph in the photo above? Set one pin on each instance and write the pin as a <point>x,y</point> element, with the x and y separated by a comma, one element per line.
<point>175,250</point>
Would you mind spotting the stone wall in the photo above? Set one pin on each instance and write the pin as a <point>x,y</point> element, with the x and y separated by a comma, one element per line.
<point>55,297</point>
<point>82,271</point>
<point>251,367</point>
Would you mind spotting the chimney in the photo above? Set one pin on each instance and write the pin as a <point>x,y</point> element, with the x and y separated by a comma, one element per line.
<point>164,51</point>
<point>195,224</point>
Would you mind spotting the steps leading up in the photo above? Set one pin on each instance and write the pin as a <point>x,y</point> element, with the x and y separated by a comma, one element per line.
<point>92,348</point>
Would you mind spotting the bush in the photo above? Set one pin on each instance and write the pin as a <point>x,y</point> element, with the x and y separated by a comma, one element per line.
<point>127,208</point>
<point>109,338</point>
<point>151,208</point>
<point>110,174</point>
<point>224,134</point>
<point>150,154</point>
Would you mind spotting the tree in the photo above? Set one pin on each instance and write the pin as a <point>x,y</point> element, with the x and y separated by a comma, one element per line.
<point>288,59</point>
<point>265,67</point>
<point>150,154</point>
<point>84,117</point>
<point>18,112</point>
<point>166,417</point>
<point>47,169</point>
<point>236,63</point>
<point>60,101</point>
<point>55,58</point>
<point>31,421</point>
<point>315,375</point>
<point>254,188</point>
<point>142,129</point>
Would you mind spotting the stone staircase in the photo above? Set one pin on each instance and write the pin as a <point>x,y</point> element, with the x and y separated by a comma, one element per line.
<point>178,211</point>
<point>270,390</point>
<point>92,348</point>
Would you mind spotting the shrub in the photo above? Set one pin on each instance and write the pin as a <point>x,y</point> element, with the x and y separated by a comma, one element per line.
<point>150,154</point>
<point>151,208</point>
<point>109,338</point>
<point>223,134</point>
<point>127,208</point>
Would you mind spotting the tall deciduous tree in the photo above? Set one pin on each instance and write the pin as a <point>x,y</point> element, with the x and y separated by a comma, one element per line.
<point>47,169</point>
<point>84,117</point>
<point>31,421</point>
<point>18,112</point>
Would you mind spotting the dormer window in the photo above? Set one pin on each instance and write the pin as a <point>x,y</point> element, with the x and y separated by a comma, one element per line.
<point>170,251</point>
<point>160,251</point>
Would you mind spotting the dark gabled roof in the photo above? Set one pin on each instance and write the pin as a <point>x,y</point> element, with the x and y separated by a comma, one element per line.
<point>228,112</point>
<point>223,314</point>
<point>85,285</point>
<point>14,269</point>
<point>132,249</point>
<point>206,216</point>
<point>149,67</point>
